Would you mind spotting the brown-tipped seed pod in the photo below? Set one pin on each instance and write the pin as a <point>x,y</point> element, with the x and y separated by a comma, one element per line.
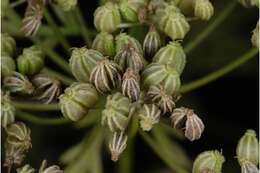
<point>248,167</point>
<point>117,145</point>
<point>18,83</point>
<point>50,169</point>
<point>130,85</point>
<point>82,61</point>
<point>104,43</point>
<point>77,99</point>
<point>47,89</point>
<point>129,57</point>
<point>194,127</point>
<point>168,77</point>
<point>26,169</point>
<point>161,99</point>
<point>203,9</point>
<point>8,44</point>
<point>248,148</point>
<point>123,39</point>
<point>106,76</point>
<point>7,111</point>
<point>255,36</point>
<point>31,61</point>
<point>107,17</point>
<point>115,114</point>
<point>149,115</point>
<point>211,160</point>
<point>13,155</point>
<point>19,135</point>
<point>173,55</point>
<point>152,43</point>
<point>7,65</point>
<point>67,5</point>
<point>32,18</point>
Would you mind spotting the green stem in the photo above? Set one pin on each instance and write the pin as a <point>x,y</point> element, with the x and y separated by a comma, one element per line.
<point>211,27</point>
<point>56,30</point>
<point>63,78</point>
<point>83,26</point>
<point>221,72</point>
<point>40,120</point>
<point>36,106</point>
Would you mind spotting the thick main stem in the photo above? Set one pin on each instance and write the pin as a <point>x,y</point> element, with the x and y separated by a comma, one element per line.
<point>36,106</point>
<point>221,72</point>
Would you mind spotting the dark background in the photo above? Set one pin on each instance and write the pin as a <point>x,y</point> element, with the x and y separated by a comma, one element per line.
<point>228,106</point>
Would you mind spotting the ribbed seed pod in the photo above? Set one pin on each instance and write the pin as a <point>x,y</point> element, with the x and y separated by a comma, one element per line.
<point>172,22</point>
<point>82,62</point>
<point>106,76</point>
<point>193,125</point>
<point>31,61</point>
<point>129,10</point>
<point>115,114</point>
<point>7,111</point>
<point>18,83</point>
<point>212,160</point>
<point>26,169</point>
<point>104,43</point>
<point>7,65</point>
<point>161,99</point>
<point>131,85</point>
<point>107,17</point>
<point>13,155</point>
<point>149,115</point>
<point>249,3</point>
<point>255,36</point>
<point>248,167</point>
<point>48,89</point>
<point>173,55</point>
<point>117,145</point>
<point>123,39</point>
<point>19,135</point>
<point>66,5</point>
<point>77,99</point>
<point>168,77</point>
<point>129,57</point>
<point>50,169</point>
<point>248,148</point>
<point>203,9</point>
<point>152,43</point>
<point>8,44</point>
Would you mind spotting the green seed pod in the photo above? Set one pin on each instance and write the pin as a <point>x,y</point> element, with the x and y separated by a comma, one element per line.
<point>115,114</point>
<point>123,39</point>
<point>248,147</point>
<point>208,160</point>
<point>7,111</point>
<point>129,57</point>
<point>117,145</point>
<point>31,61</point>
<point>47,89</point>
<point>203,9</point>
<point>207,171</point>
<point>129,10</point>
<point>248,167</point>
<point>255,36</point>
<point>152,43</point>
<point>158,96</point>
<point>130,85</point>
<point>8,44</point>
<point>104,43</point>
<point>168,77</point>
<point>77,99</point>
<point>106,76</point>
<point>19,135</point>
<point>107,17</point>
<point>13,155</point>
<point>172,22</point>
<point>82,61</point>
<point>249,3</point>
<point>66,5</point>
<point>172,55</point>
<point>7,65</point>
<point>18,83</point>
<point>26,169</point>
<point>149,115</point>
